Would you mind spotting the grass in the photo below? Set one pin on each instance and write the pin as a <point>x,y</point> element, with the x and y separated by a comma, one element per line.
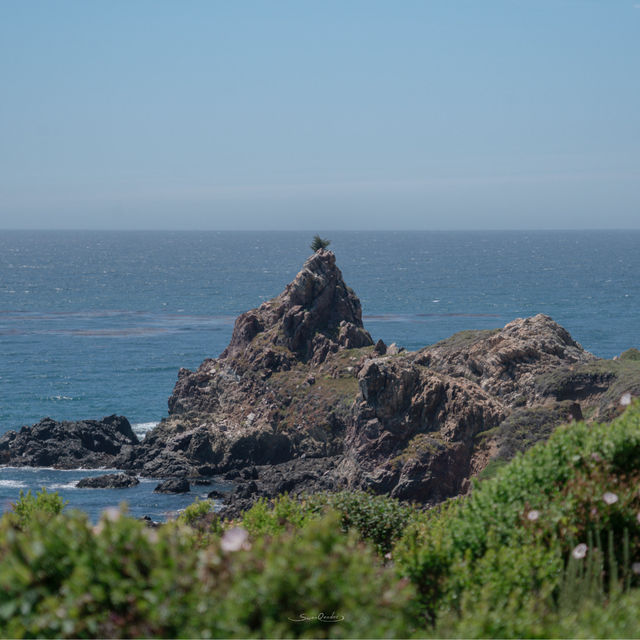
<point>463,339</point>
<point>525,427</point>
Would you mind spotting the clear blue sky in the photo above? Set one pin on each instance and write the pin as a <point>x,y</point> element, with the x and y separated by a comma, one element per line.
<point>320,114</point>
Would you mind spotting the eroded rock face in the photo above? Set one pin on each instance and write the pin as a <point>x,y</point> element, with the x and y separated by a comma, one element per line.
<point>506,363</point>
<point>68,445</point>
<point>412,432</point>
<point>316,314</point>
<point>259,402</point>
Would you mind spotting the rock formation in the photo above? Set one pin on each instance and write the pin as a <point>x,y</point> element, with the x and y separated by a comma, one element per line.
<point>301,400</point>
<point>109,481</point>
<point>68,445</point>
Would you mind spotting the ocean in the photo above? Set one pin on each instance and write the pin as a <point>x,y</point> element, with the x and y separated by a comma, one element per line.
<point>94,323</point>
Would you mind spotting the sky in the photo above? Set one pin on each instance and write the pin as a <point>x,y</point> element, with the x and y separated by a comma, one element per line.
<point>319,114</point>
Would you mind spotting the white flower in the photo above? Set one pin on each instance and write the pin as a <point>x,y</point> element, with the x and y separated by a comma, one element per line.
<point>610,498</point>
<point>111,513</point>
<point>638,517</point>
<point>635,567</point>
<point>235,539</point>
<point>625,400</point>
<point>533,515</point>
<point>580,551</point>
<point>151,535</point>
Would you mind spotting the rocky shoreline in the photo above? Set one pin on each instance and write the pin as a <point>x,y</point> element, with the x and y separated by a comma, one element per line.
<point>302,400</point>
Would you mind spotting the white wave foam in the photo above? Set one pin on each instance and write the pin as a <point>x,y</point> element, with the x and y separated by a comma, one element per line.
<point>13,484</point>
<point>62,485</point>
<point>141,428</point>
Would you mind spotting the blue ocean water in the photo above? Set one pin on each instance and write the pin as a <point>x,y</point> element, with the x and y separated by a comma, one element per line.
<point>94,323</point>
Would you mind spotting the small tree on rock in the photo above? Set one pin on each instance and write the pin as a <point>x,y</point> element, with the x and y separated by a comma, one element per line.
<point>319,243</point>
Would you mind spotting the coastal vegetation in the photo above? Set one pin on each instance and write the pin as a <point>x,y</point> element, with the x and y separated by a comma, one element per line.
<point>547,547</point>
<point>319,243</point>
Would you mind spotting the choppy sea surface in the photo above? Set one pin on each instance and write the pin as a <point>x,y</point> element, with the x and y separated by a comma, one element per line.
<point>95,323</point>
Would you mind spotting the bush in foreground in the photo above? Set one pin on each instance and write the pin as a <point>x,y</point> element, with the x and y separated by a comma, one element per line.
<point>494,563</point>
<point>63,577</point>
<point>377,519</point>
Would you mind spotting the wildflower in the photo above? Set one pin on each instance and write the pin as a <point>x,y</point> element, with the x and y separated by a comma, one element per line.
<point>610,498</point>
<point>580,551</point>
<point>625,400</point>
<point>635,567</point>
<point>235,539</point>
<point>638,517</point>
<point>533,515</point>
<point>111,514</point>
<point>151,535</point>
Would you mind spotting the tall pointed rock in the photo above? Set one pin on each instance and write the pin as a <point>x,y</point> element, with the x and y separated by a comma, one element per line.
<point>316,314</point>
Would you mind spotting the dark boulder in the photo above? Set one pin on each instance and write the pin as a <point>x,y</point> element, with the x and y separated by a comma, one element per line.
<point>68,445</point>
<point>173,485</point>
<point>109,481</point>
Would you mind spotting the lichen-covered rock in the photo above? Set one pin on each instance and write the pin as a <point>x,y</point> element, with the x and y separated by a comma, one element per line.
<point>506,362</point>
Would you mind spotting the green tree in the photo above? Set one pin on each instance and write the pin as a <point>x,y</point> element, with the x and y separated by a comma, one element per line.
<point>319,243</point>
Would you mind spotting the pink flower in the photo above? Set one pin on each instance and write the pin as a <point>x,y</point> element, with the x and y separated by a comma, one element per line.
<point>533,515</point>
<point>580,551</point>
<point>610,498</point>
<point>635,567</point>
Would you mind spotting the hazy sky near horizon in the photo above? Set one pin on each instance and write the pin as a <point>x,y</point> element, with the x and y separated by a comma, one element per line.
<point>320,114</point>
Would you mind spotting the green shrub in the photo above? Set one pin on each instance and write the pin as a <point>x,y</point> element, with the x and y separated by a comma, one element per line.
<point>378,519</point>
<point>508,541</point>
<point>62,577</point>
<point>205,523</point>
<point>316,569</point>
<point>28,505</point>
<point>319,243</point>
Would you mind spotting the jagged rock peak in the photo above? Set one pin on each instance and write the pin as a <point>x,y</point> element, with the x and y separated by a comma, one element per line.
<point>316,313</point>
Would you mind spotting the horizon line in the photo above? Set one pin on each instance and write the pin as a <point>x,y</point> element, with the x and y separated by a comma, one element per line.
<point>407,230</point>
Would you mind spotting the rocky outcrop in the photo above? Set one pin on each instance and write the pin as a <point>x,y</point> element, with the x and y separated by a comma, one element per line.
<point>68,445</point>
<point>302,400</point>
<point>108,481</point>
<point>173,485</point>
<point>315,315</point>
<point>295,477</point>
<point>506,362</point>
<point>412,432</point>
<point>280,390</point>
